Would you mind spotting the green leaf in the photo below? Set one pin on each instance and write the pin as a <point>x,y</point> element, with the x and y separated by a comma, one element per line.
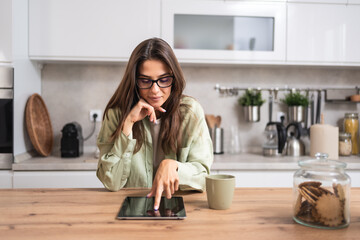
<point>295,99</point>
<point>251,98</point>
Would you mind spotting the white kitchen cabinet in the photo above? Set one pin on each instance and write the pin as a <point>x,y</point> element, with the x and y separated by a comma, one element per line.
<point>320,1</point>
<point>5,31</point>
<point>90,30</point>
<point>273,178</point>
<point>225,31</point>
<point>260,178</point>
<point>6,178</point>
<point>352,34</point>
<point>323,33</point>
<point>56,179</point>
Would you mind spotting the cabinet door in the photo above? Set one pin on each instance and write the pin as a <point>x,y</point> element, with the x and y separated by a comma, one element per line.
<point>316,33</point>
<point>225,31</point>
<point>56,179</point>
<point>5,31</point>
<point>106,30</point>
<point>352,30</point>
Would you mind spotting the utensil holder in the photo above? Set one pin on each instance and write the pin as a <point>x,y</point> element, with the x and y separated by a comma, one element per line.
<point>217,137</point>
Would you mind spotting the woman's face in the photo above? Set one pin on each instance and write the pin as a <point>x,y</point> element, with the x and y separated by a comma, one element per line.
<point>154,70</point>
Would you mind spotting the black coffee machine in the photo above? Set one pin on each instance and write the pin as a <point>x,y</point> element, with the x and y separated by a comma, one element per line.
<point>72,141</point>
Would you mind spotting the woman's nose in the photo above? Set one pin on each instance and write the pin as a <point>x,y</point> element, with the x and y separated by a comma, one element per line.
<point>155,88</point>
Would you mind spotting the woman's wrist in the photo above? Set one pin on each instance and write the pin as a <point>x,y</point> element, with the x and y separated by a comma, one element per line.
<point>127,127</point>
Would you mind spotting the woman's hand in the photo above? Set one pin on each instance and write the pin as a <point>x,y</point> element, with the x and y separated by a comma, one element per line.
<point>166,180</point>
<point>138,113</point>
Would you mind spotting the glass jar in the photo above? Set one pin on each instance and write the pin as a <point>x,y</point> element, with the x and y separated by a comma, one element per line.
<point>345,145</point>
<point>321,193</point>
<point>351,125</point>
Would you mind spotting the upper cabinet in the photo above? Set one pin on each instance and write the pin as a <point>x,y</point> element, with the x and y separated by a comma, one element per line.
<point>5,31</point>
<point>323,33</point>
<point>90,30</point>
<point>225,31</point>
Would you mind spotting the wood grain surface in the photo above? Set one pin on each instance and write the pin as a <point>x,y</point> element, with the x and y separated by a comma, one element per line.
<point>262,213</point>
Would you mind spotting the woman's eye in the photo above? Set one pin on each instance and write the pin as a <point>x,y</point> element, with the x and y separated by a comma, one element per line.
<point>143,80</point>
<point>165,79</point>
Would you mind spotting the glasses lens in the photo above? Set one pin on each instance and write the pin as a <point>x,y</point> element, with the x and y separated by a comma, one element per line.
<point>165,81</point>
<point>144,83</point>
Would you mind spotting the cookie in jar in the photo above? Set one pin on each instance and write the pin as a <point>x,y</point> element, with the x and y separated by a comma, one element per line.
<point>321,193</point>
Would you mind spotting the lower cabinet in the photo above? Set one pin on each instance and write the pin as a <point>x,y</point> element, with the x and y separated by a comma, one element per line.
<point>56,179</point>
<point>273,178</point>
<point>6,178</point>
<point>88,179</point>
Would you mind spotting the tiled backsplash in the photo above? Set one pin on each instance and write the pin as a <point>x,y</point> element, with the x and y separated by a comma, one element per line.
<point>71,90</point>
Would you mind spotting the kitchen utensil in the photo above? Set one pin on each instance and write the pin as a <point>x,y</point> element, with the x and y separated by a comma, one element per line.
<point>217,137</point>
<point>270,106</point>
<point>217,121</point>
<point>312,106</point>
<point>210,120</point>
<point>318,107</point>
<point>294,146</point>
<point>275,133</point>
<point>38,125</point>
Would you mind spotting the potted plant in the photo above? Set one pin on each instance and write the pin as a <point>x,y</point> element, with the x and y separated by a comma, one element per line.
<point>297,104</point>
<point>251,101</point>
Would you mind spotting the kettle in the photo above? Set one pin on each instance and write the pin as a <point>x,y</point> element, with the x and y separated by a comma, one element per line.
<point>294,146</point>
<point>275,139</point>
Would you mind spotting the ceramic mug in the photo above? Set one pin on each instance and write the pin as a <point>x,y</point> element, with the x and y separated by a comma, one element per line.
<point>220,191</point>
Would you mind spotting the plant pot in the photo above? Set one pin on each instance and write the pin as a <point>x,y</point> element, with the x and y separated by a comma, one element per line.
<point>252,113</point>
<point>296,114</point>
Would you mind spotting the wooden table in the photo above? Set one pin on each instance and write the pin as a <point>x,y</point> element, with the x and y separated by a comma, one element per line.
<point>90,214</point>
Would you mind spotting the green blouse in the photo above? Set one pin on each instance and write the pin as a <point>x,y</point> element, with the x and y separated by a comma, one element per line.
<point>119,167</point>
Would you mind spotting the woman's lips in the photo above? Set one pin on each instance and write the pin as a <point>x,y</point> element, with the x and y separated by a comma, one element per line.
<point>155,99</point>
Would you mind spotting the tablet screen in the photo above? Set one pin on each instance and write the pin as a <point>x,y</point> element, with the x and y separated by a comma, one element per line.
<point>143,208</point>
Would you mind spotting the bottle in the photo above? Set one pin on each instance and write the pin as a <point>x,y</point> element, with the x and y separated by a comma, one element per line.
<point>351,125</point>
<point>321,193</point>
<point>345,145</point>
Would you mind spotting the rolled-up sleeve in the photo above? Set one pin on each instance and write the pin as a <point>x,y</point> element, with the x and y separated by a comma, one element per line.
<point>115,157</point>
<point>195,160</point>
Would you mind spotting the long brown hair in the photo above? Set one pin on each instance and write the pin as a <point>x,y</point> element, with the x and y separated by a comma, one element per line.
<point>126,95</point>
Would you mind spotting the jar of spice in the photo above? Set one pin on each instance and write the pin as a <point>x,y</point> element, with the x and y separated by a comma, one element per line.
<point>321,193</point>
<point>345,145</point>
<point>351,125</point>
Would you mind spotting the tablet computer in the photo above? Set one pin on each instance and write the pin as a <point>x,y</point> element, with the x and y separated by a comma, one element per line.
<point>143,208</point>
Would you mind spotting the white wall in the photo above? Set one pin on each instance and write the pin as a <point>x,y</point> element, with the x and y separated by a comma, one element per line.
<point>27,76</point>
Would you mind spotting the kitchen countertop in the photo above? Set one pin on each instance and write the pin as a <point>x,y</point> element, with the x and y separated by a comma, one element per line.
<point>262,213</point>
<point>243,161</point>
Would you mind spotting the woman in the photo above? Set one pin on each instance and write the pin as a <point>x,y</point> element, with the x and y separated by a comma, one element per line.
<point>152,136</point>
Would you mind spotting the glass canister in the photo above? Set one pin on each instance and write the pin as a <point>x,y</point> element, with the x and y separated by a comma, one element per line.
<point>321,193</point>
<point>345,145</point>
<point>351,125</point>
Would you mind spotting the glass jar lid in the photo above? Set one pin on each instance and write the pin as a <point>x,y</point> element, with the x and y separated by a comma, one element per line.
<point>351,115</point>
<point>344,136</point>
<point>321,162</point>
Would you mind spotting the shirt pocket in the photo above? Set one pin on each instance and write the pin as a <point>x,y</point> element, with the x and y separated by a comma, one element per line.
<point>183,154</point>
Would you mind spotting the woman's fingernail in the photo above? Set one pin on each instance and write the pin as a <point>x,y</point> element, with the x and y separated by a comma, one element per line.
<point>164,110</point>
<point>156,208</point>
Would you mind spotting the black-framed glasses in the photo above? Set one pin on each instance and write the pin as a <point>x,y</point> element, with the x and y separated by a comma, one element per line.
<point>164,82</point>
